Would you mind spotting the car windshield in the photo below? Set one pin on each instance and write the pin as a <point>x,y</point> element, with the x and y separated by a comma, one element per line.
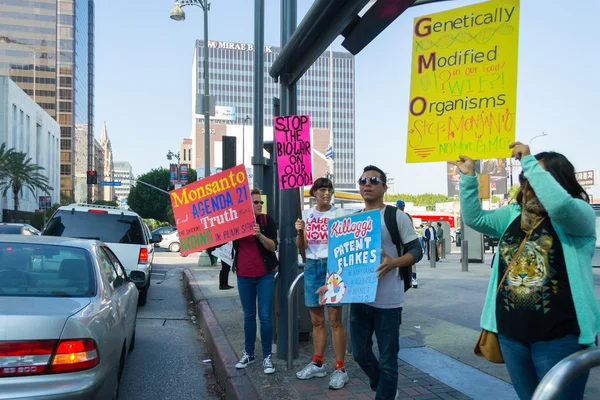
<point>36,270</point>
<point>10,229</point>
<point>109,228</point>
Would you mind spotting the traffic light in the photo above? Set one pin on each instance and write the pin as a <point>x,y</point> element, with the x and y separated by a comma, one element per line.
<point>92,177</point>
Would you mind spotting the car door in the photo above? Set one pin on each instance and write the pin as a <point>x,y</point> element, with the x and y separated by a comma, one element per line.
<point>118,300</point>
<point>128,294</point>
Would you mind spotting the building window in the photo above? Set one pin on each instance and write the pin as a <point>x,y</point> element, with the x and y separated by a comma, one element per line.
<point>65,169</point>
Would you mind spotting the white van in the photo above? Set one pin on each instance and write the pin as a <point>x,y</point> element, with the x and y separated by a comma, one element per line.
<point>122,230</point>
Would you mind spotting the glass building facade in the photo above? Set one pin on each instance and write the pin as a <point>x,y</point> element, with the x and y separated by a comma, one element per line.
<point>28,31</point>
<point>52,42</point>
<point>325,92</point>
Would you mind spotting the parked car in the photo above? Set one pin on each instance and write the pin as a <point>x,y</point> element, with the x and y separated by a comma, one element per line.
<point>122,230</point>
<point>18,229</point>
<point>68,318</point>
<point>170,241</point>
<point>165,230</point>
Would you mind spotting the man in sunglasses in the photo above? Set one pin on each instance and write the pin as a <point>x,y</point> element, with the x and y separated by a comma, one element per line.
<point>384,315</point>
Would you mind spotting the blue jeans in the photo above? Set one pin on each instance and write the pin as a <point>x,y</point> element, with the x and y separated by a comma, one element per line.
<point>383,374</point>
<point>262,287</point>
<point>315,274</point>
<point>528,362</point>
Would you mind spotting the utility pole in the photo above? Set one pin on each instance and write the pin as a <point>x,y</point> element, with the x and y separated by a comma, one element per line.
<point>288,252</point>
<point>258,160</point>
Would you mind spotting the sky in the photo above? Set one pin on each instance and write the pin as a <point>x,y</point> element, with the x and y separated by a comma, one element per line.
<point>143,81</point>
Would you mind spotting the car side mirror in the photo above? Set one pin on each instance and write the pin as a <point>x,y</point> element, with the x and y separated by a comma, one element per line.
<point>156,238</point>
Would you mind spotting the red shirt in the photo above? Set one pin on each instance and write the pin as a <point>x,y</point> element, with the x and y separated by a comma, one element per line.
<point>249,260</point>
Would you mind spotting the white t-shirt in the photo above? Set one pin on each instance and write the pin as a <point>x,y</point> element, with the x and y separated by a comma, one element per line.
<point>390,289</point>
<point>316,231</point>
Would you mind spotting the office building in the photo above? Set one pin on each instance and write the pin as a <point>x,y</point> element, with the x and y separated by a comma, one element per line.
<point>99,156</point>
<point>326,92</point>
<point>26,127</point>
<point>80,163</point>
<point>123,174</point>
<point>108,192</point>
<point>47,48</point>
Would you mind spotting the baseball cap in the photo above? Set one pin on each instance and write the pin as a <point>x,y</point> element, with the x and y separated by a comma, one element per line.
<point>399,203</point>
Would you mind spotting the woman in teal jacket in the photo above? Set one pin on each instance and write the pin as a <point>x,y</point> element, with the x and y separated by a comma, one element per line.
<point>545,309</point>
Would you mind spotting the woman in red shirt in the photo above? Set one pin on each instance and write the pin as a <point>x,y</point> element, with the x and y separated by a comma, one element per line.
<point>254,263</point>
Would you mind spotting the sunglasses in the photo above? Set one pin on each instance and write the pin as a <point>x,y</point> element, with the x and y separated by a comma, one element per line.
<point>373,180</point>
<point>258,202</point>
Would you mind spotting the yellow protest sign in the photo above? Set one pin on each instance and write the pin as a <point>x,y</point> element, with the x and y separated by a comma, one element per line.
<point>463,92</point>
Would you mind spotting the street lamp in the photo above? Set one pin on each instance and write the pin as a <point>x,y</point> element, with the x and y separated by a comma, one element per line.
<point>170,156</point>
<point>178,14</point>
<point>244,122</point>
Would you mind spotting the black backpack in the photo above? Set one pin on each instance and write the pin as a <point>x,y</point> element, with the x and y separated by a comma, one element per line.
<point>389,217</point>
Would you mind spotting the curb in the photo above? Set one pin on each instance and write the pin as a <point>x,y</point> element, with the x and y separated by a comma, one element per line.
<point>235,382</point>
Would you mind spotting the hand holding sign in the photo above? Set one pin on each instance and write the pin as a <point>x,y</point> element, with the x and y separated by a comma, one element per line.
<point>519,150</point>
<point>466,165</point>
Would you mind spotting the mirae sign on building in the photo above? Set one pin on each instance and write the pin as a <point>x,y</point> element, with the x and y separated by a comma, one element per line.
<point>212,44</point>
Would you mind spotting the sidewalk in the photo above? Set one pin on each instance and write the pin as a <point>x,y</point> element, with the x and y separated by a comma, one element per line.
<point>220,316</point>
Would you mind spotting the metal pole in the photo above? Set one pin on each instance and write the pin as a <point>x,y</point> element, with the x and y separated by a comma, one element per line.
<point>293,316</point>
<point>206,96</point>
<point>346,325</point>
<point>244,141</point>
<point>288,252</point>
<point>464,247</point>
<point>557,379</point>
<point>258,160</point>
<point>432,251</point>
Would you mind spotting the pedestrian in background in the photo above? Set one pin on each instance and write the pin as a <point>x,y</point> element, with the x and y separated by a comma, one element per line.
<point>440,239</point>
<point>540,298</point>
<point>430,234</point>
<point>414,283</point>
<point>315,241</point>
<point>254,264</point>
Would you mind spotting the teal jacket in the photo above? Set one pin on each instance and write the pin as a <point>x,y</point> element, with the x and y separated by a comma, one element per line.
<point>575,223</point>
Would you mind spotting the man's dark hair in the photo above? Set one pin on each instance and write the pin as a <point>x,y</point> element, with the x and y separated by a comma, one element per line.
<point>376,169</point>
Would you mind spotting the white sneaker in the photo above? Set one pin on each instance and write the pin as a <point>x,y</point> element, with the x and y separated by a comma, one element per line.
<point>245,361</point>
<point>414,283</point>
<point>311,371</point>
<point>338,379</point>
<point>268,365</point>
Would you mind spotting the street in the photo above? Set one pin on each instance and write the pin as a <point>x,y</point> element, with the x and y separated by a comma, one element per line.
<point>167,362</point>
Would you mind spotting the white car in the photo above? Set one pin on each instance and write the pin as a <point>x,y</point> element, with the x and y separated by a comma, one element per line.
<point>122,230</point>
<point>170,241</point>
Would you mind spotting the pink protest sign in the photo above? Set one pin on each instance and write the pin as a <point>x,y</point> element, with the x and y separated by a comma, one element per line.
<point>294,153</point>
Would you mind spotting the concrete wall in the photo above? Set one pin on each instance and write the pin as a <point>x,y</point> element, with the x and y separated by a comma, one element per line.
<point>26,127</point>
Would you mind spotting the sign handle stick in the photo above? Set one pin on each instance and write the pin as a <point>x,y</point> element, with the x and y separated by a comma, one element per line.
<point>301,232</point>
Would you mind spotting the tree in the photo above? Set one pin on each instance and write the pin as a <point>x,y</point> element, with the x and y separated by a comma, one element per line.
<point>66,200</point>
<point>149,202</point>
<point>106,203</point>
<point>5,155</point>
<point>20,173</point>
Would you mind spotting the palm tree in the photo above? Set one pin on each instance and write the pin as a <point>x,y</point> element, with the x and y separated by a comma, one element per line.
<point>4,157</point>
<point>19,173</point>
